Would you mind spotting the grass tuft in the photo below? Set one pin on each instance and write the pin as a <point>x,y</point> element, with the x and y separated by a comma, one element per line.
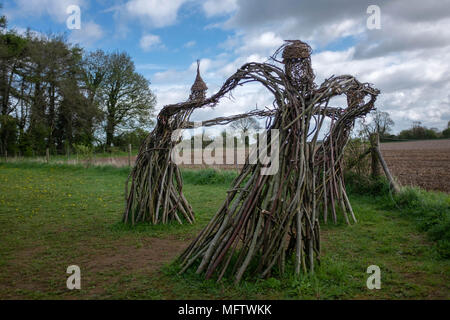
<point>209,176</point>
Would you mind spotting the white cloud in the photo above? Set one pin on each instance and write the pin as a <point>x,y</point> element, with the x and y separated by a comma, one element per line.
<point>261,42</point>
<point>414,85</point>
<point>219,7</point>
<point>149,41</point>
<point>157,13</point>
<point>54,8</point>
<point>89,33</point>
<point>170,94</point>
<point>398,36</point>
<point>173,86</point>
<point>190,44</point>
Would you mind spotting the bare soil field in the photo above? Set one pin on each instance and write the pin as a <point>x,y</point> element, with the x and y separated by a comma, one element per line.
<point>420,163</point>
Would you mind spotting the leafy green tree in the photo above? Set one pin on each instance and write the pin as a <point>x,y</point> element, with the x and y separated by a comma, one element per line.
<point>9,133</point>
<point>94,74</point>
<point>418,132</point>
<point>134,137</point>
<point>12,52</point>
<point>78,112</point>
<point>54,74</point>
<point>3,20</point>
<point>54,95</point>
<point>127,100</point>
<point>446,132</point>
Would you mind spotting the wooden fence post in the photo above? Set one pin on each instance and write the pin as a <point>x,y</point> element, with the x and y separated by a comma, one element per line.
<point>394,185</point>
<point>129,154</point>
<point>374,143</point>
<point>47,155</point>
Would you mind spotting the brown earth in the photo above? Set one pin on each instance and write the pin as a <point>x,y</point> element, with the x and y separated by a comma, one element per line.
<point>122,256</point>
<point>420,163</point>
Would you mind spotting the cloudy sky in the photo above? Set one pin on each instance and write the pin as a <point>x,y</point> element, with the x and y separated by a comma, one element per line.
<point>408,58</point>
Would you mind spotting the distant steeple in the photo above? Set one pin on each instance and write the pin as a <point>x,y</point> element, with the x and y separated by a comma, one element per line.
<point>198,89</point>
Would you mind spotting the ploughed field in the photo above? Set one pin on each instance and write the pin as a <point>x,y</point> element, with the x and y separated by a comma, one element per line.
<point>420,163</point>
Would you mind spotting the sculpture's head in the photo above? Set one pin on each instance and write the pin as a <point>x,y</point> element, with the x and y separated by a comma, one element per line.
<point>296,50</point>
<point>297,61</point>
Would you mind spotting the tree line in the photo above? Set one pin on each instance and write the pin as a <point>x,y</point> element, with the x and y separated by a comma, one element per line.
<point>418,132</point>
<point>382,124</point>
<point>56,95</point>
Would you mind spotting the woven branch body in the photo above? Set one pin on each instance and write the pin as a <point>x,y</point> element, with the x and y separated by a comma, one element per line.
<point>156,194</point>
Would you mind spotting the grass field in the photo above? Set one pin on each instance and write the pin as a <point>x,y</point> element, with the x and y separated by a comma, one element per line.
<point>55,216</point>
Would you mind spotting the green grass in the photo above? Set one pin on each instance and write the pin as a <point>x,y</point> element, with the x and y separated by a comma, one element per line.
<point>52,216</point>
<point>209,177</point>
<point>429,210</point>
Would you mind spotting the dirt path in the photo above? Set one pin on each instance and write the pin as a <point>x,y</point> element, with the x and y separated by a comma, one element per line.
<point>97,264</point>
<point>151,255</point>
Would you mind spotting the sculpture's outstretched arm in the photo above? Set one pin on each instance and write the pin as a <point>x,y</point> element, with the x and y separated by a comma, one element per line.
<point>268,75</point>
<point>226,120</point>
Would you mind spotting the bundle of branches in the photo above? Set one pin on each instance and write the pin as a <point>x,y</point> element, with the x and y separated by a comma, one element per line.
<point>156,190</point>
<point>156,194</point>
<point>265,219</point>
<point>331,155</point>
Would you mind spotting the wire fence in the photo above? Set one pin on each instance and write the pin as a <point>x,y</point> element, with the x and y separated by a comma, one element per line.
<point>122,158</point>
<point>117,158</point>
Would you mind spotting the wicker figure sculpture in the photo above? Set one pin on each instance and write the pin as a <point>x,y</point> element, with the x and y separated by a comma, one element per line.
<point>265,219</point>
